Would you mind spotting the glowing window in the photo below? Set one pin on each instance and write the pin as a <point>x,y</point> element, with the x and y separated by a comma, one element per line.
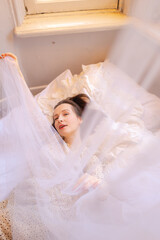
<point>48,6</point>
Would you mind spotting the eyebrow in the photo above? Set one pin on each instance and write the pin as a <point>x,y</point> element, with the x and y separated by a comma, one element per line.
<point>62,111</point>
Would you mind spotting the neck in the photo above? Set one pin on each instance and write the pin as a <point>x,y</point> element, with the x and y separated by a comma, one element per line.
<point>70,139</point>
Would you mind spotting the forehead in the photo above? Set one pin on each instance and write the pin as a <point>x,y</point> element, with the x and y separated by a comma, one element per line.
<point>63,107</point>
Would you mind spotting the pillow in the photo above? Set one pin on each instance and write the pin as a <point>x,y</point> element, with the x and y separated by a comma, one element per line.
<point>150,103</point>
<point>121,97</point>
<point>126,93</point>
<point>65,85</point>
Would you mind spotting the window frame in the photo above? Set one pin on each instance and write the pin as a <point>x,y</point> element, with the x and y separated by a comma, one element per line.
<point>18,11</point>
<point>53,6</point>
<point>41,24</point>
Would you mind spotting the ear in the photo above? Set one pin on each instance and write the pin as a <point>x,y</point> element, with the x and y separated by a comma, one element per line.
<point>80,120</point>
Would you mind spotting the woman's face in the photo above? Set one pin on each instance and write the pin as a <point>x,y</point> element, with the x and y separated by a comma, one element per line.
<point>66,121</point>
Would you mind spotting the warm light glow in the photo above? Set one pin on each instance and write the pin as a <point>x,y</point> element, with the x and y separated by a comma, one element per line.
<point>69,24</point>
<point>56,1</point>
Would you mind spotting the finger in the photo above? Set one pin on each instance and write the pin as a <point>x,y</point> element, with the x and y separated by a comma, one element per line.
<point>80,181</point>
<point>3,55</point>
<point>86,181</point>
<point>10,55</point>
<point>91,184</point>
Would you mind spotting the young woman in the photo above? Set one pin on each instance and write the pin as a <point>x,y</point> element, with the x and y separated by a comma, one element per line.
<point>67,118</point>
<point>61,196</point>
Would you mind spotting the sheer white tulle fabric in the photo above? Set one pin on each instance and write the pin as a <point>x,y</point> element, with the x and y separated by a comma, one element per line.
<point>38,178</point>
<point>39,174</point>
<point>146,105</point>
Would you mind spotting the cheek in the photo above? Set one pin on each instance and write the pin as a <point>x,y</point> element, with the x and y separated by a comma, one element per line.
<point>75,122</point>
<point>71,119</point>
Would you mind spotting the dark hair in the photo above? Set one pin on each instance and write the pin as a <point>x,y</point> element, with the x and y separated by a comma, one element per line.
<point>75,106</point>
<point>81,100</point>
<point>77,102</point>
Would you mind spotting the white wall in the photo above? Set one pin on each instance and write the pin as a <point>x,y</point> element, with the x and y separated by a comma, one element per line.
<point>43,58</point>
<point>6,28</point>
<point>46,57</point>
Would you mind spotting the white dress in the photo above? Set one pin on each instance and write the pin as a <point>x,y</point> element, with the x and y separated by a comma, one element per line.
<point>124,156</point>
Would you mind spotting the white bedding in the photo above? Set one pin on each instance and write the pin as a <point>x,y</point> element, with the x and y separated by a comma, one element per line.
<point>123,94</point>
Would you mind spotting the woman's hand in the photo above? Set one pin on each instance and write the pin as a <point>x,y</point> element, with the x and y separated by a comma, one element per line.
<point>3,55</point>
<point>86,183</point>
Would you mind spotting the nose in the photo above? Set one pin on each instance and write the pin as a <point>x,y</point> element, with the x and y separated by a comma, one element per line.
<point>60,119</point>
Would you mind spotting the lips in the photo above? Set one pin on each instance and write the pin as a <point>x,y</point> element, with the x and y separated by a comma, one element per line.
<point>62,126</point>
